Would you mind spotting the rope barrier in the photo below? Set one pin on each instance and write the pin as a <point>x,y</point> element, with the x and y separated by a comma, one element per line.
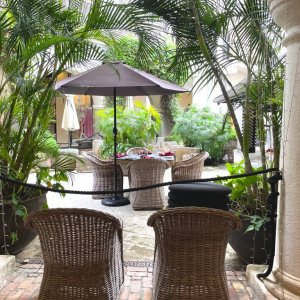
<point>272,200</point>
<point>48,189</point>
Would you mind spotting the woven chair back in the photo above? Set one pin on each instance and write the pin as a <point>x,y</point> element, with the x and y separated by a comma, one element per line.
<point>145,172</point>
<point>190,252</point>
<point>103,176</point>
<point>189,169</point>
<point>82,251</point>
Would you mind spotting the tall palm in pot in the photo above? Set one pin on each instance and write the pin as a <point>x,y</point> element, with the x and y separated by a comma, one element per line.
<point>202,29</point>
<point>38,40</point>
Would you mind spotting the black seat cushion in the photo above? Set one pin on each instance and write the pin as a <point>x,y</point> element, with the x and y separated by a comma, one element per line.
<point>206,194</point>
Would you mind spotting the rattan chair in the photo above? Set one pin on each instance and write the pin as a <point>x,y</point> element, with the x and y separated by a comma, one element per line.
<point>145,172</point>
<point>189,169</point>
<point>190,246</point>
<point>138,150</point>
<point>82,251</point>
<point>103,175</point>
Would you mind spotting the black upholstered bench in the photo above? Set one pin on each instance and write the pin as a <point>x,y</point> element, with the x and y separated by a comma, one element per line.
<point>206,194</point>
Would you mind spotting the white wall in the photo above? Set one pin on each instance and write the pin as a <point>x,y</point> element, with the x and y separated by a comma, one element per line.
<point>204,97</point>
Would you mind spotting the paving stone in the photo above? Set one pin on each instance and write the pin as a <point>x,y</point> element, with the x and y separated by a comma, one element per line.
<point>135,286</point>
<point>136,278</point>
<point>147,294</point>
<point>231,278</point>
<point>232,292</point>
<point>137,274</point>
<point>238,286</point>
<point>124,293</point>
<point>244,296</point>
<point>147,282</point>
<point>136,269</point>
<point>134,296</point>
<point>25,285</point>
<point>30,266</point>
<point>230,273</point>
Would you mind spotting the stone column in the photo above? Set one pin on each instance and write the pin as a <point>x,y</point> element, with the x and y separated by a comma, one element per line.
<point>285,280</point>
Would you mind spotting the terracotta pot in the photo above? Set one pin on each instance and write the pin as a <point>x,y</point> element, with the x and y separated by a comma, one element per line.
<point>16,224</point>
<point>252,247</point>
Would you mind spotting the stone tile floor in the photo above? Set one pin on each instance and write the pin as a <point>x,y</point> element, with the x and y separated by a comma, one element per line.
<point>25,282</point>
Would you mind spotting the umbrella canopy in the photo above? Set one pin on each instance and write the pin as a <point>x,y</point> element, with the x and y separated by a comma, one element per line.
<point>128,81</point>
<point>116,79</point>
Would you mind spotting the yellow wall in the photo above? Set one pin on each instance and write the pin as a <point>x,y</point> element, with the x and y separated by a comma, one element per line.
<point>185,99</point>
<point>62,136</point>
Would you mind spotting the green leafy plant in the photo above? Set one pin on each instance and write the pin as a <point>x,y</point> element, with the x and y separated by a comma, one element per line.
<point>204,129</point>
<point>173,137</point>
<point>39,40</point>
<point>136,127</point>
<point>253,205</point>
<point>121,101</point>
<point>127,49</point>
<point>256,222</point>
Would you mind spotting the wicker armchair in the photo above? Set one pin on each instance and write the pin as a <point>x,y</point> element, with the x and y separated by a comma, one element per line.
<point>138,150</point>
<point>103,175</point>
<point>190,246</point>
<point>82,251</point>
<point>144,172</point>
<point>189,169</point>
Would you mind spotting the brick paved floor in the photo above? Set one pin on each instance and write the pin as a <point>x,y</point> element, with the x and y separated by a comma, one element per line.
<point>24,284</point>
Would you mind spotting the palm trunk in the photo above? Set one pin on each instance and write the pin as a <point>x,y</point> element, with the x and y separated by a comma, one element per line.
<point>262,143</point>
<point>217,74</point>
<point>276,137</point>
<point>247,114</point>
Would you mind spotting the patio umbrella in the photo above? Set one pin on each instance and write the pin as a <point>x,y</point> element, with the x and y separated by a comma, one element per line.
<point>117,79</point>
<point>70,119</point>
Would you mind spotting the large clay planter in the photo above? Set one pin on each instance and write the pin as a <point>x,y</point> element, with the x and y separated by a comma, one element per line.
<point>252,247</point>
<point>16,224</point>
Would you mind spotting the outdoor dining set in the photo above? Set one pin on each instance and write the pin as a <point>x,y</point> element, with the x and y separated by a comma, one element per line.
<point>143,169</point>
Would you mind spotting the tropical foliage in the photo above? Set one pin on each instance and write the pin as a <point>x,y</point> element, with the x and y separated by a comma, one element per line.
<point>210,36</point>
<point>136,127</point>
<point>204,129</point>
<point>38,40</point>
<point>126,50</point>
<point>255,206</point>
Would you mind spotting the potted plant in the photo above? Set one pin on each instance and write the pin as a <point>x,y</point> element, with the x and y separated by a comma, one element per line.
<point>18,200</point>
<point>38,42</point>
<point>203,129</point>
<point>248,198</point>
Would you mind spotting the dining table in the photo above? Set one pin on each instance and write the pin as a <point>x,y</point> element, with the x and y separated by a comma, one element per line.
<point>125,160</point>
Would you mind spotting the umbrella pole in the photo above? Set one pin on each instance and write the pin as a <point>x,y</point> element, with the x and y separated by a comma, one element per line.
<point>115,200</point>
<point>115,131</point>
<point>70,138</point>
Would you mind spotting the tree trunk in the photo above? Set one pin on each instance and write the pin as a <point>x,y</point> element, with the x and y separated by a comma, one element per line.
<point>206,53</point>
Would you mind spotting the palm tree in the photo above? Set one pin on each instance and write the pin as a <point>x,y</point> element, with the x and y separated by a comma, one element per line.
<point>256,42</point>
<point>38,40</point>
<point>197,27</point>
<point>201,29</point>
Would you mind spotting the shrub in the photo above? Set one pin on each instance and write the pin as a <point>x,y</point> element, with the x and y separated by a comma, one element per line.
<point>204,129</point>
<point>136,127</point>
